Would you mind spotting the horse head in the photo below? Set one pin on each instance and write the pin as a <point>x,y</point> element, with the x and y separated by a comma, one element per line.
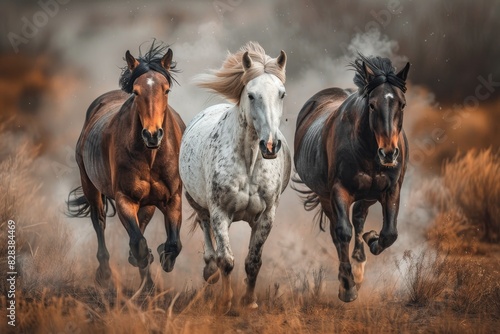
<point>262,101</point>
<point>150,90</point>
<point>385,101</point>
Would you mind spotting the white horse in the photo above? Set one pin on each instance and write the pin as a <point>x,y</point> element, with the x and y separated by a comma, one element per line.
<point>235,163</point>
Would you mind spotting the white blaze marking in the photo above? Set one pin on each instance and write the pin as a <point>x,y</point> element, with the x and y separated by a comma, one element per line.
<point>389,96</point>
<point>270,143</point>
<point>150,82</point>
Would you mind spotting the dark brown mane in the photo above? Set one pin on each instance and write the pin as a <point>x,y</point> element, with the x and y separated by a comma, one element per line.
<point>382,69</point>
<point>151,61</point>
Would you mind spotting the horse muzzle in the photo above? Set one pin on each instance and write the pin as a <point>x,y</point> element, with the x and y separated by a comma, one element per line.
<point>388,157</point>
<point>269,151</point>
<point>152,140</point>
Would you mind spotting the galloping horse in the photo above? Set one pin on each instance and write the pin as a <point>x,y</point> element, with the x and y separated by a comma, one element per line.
<point>235,163</point>
<point>128,151</point>
<point>351,148</point>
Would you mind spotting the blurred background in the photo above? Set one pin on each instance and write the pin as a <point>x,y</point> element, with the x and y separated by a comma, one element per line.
<point>57,56</point>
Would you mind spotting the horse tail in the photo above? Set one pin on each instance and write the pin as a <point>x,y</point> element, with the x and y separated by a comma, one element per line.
<point>311,201</point>
<point>79,207</point>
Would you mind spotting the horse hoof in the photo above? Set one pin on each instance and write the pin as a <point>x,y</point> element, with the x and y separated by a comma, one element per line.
<point>133,261</point>
<point>249,302</point>
<point>349,295</point>
<point>167,259</point>
<point>102,277</point>
<point>223,308</point>
<point>211,273</point>
<point>370,237</point>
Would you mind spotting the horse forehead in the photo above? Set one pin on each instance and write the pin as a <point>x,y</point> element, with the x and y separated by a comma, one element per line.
<point>387,93</point>
<point>151,79</point>
<point>265,83</point>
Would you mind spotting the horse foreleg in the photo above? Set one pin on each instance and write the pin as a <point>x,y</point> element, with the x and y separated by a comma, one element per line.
<point>359,213</point>
<point>127,210</point>
<point>220,222</point>
<point>341,232</point>
<point>144,216</point>
<point>253,261</point>
<point>211,271</point>
<point>173,220</point>
<point>389,232</point>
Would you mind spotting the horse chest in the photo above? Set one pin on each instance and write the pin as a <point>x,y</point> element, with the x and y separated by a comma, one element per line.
<point>371,183</point>
<point>247,198</point>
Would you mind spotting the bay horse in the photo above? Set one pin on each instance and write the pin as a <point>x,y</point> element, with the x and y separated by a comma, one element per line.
<point>128,151</point>
<point>352,149</point>
<point>235,162</point>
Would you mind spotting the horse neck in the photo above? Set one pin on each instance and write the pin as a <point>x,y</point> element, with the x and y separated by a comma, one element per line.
<point>246,141</point>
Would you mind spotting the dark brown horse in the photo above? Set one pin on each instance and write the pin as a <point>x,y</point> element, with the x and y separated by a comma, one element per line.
<point>128,152</point>
<point>351,149</point>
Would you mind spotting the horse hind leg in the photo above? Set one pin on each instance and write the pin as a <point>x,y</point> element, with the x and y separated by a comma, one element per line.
<point>359,213</point>
<point>98,217</point>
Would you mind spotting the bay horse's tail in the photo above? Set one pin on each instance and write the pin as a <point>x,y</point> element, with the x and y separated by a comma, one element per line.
<point>310,200</point>
<point>79,206</point>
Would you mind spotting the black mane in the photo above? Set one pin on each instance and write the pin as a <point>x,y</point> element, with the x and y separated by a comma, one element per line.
<point>383,72</point>
<point>151,61</point>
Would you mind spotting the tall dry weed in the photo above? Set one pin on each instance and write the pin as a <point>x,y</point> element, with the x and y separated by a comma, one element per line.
<point>473,181</point>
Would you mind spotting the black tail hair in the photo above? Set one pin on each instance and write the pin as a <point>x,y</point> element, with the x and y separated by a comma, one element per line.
<point>79,206</point>
<point>310,200</point>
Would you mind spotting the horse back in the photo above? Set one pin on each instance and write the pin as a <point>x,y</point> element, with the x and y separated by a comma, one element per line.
<point>91,148</point>
<point>321,103</point>
<point>310,156</point>
<point>106,102</point>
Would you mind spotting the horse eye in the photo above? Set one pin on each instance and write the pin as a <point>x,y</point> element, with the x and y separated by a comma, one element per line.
<point>167,91</point>
<point>135,92</point>
<point>283,95</point>
<point>372,107</point>
<point>403,106</point>
<point>251,97</point>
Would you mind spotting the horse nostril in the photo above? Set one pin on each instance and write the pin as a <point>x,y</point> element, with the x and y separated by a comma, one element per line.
<point>396,153</point>
<point>381,152</point>
<point>160,133</point>
<point>262,146</point>
<point>145,134</point>
<point>277,147</point>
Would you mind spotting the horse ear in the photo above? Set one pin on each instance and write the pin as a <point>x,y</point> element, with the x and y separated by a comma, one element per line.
<point>369,75</point>
<point>131,61</point>
<point>281,60</point>
<point>247,61</point>
<point>404,72</point>
<point>166,61</point>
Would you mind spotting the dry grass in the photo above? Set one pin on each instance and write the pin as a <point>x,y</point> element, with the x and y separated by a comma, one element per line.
<point>424,276</point>
<point>463,204</point>
<point>473,181</point>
